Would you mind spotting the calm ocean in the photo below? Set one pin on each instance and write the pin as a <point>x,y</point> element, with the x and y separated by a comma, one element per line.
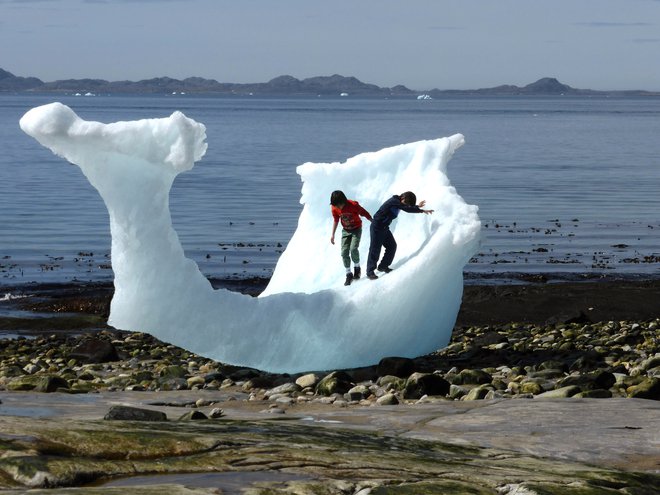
<point>565,185</point>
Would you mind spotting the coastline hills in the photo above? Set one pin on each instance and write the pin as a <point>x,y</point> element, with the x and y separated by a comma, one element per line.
<point>334,85</point>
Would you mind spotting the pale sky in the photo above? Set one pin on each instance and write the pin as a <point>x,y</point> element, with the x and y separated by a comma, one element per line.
<point>423,44</point>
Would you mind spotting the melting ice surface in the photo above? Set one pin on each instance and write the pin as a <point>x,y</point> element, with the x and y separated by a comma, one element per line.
<point>306,319</point>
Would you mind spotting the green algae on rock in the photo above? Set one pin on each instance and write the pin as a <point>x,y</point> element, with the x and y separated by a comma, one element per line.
<point>73,453</point>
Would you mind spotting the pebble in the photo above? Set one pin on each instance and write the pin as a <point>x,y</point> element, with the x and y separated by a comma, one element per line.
<point>598,360</point>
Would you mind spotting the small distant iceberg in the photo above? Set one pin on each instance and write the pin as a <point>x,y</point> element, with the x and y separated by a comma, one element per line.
<point>424,97</point>
<point>10,297</point>
<point>89,94</point>
<point>343,94</point>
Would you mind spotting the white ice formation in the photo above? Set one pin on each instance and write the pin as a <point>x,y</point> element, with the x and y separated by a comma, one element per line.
<point>306,319</point>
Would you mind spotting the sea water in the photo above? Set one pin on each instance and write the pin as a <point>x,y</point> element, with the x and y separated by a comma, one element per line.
<point>565,185</point>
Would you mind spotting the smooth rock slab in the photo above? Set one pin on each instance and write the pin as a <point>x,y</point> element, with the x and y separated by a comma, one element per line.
<point>386,449</point>
<point>68,453</point>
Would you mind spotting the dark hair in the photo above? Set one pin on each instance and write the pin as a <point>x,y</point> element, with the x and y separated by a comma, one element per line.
<point>338,198</point>
<point>409,198</point>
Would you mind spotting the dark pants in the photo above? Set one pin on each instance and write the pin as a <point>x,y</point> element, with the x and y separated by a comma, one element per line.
<point>380,237</point>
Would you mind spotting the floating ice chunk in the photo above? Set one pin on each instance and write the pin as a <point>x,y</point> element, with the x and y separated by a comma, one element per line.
<point>424,97</point>
<point>306,319</point>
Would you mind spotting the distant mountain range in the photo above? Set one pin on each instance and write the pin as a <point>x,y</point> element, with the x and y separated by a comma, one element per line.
<point>282,85</point>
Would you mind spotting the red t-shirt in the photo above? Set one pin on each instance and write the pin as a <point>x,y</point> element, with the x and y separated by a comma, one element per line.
<point>350,215</point>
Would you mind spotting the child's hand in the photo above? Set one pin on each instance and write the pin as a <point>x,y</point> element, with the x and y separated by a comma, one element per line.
<point>422,203</point>
<point>332,239</point>
<point>427,212</point>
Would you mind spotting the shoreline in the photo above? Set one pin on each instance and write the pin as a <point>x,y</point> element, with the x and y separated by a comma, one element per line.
<point>531,298</point>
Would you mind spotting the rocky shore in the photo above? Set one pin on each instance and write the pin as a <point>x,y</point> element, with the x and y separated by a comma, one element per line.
<point>608,359</point>
<point>563,346</point>
<point>547,340</point>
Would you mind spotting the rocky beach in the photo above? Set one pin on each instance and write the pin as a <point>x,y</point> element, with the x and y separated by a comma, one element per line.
<point>544,388</point>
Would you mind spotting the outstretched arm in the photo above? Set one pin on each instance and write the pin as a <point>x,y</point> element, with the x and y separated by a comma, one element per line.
<point>421,205</point>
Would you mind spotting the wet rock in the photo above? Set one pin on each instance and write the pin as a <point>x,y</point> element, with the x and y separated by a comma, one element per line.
<point>11,371</point>
<point>93,350</point>
<point>490,338</point>
<point>173,371</point>
<point>477,393</point>
<point>546,374</point>
<point>648,389</point>
<point>589,381</point>
<point>285,388</point>
<point>587,361</point>
<point>38,383</point>
<point>308,380</point>
<point>456,392</point>
<point>471,376</point>
<point>388,399</point>
<point>594,394</point>
<point>653,372</point>
<point>553,364</point>
<point>494,394</point>
<point>173,384</point>
<point>391,382</point>
<point>337,382</point>
<point>264,381</point>
<point>193,416</point>
<point>216,413</point>
<point>419,384</point>
<point>562,392</point>
<point>530,387</point>
<point>214,376</point>
<point>396,366</point>
<point>358,392</point>
<point>652,362</point>
<point>127,413</point>
<point>31,369</point>
<point>195,381</point>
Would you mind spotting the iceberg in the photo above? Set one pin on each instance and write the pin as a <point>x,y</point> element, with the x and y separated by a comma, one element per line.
<point>306,319</point>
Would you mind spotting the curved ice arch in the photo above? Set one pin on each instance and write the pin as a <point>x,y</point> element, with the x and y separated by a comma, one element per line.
<point>306,319</point>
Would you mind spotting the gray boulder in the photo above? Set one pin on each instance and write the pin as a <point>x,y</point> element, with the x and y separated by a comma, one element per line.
<point>420,384</point>
<point>94,350</point>
<point>396,366</point>
<point>127,413</point>
<point>337,382</point>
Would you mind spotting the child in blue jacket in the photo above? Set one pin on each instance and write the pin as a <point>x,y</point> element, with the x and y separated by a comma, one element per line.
<point>381,236</point>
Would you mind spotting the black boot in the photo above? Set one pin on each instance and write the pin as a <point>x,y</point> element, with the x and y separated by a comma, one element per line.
<point>349,278</point>
<point>356,272</point>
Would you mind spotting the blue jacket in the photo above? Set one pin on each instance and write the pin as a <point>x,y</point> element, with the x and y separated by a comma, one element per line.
<point>389,210</point>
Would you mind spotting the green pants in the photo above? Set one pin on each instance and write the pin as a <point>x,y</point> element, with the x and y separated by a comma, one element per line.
<point>350,242</point>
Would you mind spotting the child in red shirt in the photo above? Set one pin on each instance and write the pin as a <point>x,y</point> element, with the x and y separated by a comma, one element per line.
<point>349,212</point>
